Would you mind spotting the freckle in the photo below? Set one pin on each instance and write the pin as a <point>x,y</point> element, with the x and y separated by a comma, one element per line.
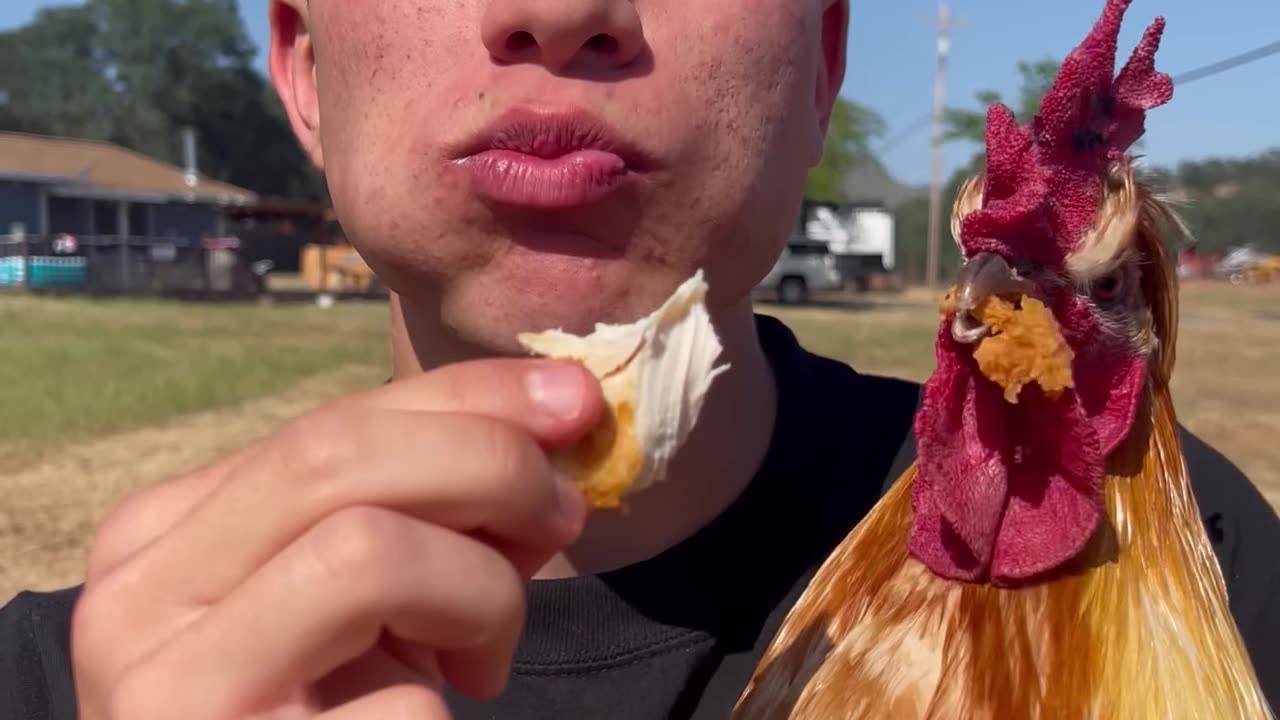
<point>480,96</point>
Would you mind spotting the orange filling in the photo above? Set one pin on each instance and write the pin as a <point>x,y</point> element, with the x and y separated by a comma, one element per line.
<point>1025,345</point>
<point>606,462</point>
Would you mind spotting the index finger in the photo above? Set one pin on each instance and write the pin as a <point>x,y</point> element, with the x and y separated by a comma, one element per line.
<point>527,393</point>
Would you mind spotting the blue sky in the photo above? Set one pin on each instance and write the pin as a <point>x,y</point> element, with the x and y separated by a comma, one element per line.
<point>891,66</point>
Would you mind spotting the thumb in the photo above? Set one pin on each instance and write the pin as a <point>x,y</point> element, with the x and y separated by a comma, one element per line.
<point>556,402</point>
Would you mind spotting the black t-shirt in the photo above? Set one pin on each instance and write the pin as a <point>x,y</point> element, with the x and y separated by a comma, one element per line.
<point>679,635</point>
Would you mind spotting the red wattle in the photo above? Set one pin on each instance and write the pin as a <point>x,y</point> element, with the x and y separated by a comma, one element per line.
<point>961,482</point>
<point>1002,492</point>
<point>1111,388</point>
<point>1055,492</point>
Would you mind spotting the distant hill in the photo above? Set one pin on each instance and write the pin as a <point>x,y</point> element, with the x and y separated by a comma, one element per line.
<point>870,184</point>
<point>1227,203</point>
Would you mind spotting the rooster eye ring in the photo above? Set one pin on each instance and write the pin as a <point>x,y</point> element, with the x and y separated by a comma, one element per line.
<point>1109,287</point>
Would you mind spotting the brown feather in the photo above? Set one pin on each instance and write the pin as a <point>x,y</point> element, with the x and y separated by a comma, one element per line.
<point>1139,628</point>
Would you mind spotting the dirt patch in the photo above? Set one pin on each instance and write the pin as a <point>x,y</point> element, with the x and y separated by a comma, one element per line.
<point>51,509</point>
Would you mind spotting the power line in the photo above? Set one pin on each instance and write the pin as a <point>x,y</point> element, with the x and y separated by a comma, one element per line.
<point>1228,64</point>
<point>1187,77</point>
<point>916,126</point>
<point>1179,80</point>
<point>901,107</point>
<point>945,22</point>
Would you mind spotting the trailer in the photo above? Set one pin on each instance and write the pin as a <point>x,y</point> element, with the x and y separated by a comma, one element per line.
<point>859,235</point>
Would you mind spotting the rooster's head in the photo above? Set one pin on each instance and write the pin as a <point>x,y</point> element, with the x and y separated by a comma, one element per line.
<point>1009,485</point>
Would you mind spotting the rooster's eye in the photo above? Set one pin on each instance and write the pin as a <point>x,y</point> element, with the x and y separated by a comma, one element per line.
<point>1109,287</point>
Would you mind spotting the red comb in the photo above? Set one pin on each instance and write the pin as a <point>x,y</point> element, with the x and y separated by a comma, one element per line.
<point>1043,181</point>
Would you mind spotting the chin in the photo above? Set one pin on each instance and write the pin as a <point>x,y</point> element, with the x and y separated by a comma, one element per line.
<point>488,277</point>
<point>488,307</point>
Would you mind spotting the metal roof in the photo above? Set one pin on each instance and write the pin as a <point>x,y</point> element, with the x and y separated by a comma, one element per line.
<point>92,168</point>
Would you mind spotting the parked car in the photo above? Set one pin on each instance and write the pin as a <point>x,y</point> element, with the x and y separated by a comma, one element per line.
<point>805,266</point>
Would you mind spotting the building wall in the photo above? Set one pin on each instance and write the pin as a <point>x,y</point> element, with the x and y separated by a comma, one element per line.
<point>70,215</point>
<point>97,217</point>
<point>19,202</point>
<point>191,222</point>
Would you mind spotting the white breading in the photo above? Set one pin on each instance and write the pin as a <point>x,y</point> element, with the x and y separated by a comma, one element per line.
<point>663,364</point>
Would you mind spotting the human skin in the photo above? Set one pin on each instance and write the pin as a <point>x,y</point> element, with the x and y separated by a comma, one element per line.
<point>728,102</point>
<point>263,583</point>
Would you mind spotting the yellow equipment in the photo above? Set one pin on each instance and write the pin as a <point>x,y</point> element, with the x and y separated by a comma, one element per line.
<point>335,268</point>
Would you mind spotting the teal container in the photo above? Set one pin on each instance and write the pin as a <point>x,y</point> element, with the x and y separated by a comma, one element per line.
<point>57,272</point>
<point>46,272</point>
<point>11,271</point>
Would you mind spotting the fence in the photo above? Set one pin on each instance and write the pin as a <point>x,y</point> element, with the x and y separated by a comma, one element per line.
<point>123,265</point>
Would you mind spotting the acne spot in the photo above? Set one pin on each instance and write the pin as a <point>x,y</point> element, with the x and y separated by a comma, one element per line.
<point>480,96</point>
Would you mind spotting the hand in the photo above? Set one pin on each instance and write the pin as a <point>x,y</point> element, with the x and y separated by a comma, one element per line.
<point>344,567</point>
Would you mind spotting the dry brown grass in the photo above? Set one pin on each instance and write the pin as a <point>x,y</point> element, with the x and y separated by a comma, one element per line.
<point>1226,390</point>
<point>52,507</point>
<point>74,370</point>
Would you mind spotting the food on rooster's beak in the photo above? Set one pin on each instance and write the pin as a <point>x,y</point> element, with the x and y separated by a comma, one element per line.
<point>1018,339</point>
<point>1024,345</point>
<point>655,375</point>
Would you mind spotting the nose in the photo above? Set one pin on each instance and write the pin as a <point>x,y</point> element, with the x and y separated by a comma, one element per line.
<point>564,35</point>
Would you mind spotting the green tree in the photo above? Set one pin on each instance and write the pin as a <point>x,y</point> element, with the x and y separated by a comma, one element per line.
<point>138,71</point>
<point>1226,202</point>
<point>161,55</point>
<point>910,233</point>
<point>853,128</point>
<point>1034,80</point>
<point>1231,202</point>
<point>50,77</point>
<point>969,125</point>
<point>230,107</point>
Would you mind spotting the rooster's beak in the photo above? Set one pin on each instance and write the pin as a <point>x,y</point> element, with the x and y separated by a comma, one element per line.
<point>984,275</point>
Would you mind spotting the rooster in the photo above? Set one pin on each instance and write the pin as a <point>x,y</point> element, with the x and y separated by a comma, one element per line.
<point>1044,557</point>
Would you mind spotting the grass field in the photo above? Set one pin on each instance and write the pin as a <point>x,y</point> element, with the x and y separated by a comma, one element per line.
<point>101,398</point>
<point>74,369</point>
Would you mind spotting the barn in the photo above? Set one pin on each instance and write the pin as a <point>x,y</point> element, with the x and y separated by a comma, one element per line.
<point>87,188</point>
<point>130,219</point>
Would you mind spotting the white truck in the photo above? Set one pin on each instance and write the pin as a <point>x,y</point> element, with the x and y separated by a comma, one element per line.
<point>835,247</point>
<point>805,266</point>
<point>860,236</point>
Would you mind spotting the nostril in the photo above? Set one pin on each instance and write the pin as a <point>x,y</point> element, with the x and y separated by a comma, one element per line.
<point>602,43</point>
<point>520,40</point>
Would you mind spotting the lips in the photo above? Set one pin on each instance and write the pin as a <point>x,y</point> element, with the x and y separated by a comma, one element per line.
<point>547,160</point>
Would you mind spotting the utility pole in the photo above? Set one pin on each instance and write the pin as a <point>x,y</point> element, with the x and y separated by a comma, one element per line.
<point>935,183</point>
<point>946,22</point>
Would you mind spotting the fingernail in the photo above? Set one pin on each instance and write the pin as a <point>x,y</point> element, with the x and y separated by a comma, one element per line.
<point>557,389</point>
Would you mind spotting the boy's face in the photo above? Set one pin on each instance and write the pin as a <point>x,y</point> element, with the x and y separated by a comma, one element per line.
<point>715,109</point>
